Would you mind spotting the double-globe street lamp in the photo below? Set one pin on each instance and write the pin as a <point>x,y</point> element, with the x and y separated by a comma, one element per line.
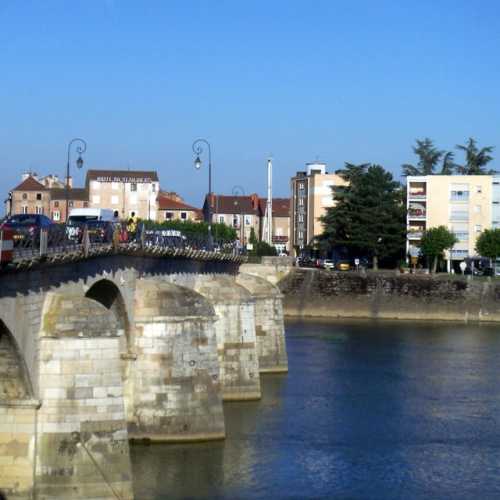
<point>81,147</point>
<point>198,150</point>
<point>239,191</point>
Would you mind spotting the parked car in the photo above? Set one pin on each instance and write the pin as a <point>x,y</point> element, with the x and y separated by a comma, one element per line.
<point>26,226</point>
<point>343,265</point>
<point>328,264</point>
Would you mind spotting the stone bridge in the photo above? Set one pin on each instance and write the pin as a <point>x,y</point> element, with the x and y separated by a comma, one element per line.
<point>103,350</point>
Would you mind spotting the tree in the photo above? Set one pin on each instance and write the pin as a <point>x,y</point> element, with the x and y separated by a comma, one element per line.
<point>435,241</point>
<point>428,160</point>
<point>475,159</point>
<point>488,244</point>
<point>368,216</point>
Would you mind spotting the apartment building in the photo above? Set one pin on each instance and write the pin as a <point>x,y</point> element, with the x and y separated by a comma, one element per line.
<point>465,204</point>
<point>126,191</point>
<point>312,195</point>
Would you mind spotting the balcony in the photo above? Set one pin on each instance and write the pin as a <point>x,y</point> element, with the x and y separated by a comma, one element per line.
<point>417,191</point>
<point>415,235</point>
<point>417,213</point>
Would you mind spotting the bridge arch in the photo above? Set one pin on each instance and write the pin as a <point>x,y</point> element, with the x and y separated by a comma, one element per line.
<point>107,293</point>
<point>15,383</point>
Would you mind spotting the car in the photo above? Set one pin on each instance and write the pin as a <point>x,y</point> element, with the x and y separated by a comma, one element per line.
<point>343,265</point>
<point>328,264</point>
<point>26,226</point>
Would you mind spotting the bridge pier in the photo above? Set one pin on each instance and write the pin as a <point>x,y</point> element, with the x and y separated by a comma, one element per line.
<point>236,341</point>
<point>177,394</point>
<point>269,323</point>
<point>82,446</point>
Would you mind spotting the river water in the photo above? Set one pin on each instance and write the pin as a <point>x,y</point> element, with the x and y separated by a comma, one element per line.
<point>368,410</point>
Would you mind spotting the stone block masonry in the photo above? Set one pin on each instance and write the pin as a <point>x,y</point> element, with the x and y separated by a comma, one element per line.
<point>269,323</point>
<point>82,446</point>
<point>234,307</point>
<point>317,293</point>
<point>177,392</point>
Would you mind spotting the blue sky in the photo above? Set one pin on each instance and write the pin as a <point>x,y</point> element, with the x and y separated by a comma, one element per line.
<point>339,81</point>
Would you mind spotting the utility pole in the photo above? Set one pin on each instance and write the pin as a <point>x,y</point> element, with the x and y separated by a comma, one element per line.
<point>269,207</point>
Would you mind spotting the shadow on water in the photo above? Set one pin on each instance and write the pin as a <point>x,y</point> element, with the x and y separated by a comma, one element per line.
<point>369,410</point>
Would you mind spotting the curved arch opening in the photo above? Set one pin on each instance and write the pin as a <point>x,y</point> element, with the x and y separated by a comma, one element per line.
<point>14,380</point>
<point>108,294</point>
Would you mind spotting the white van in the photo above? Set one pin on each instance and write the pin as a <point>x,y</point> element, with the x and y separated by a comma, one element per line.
<point>82,215</point>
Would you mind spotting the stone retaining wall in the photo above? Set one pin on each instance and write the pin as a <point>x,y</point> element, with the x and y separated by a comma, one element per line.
<point>322,293</point>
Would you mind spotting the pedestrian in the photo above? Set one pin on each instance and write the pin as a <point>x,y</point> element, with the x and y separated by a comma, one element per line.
<point>132,226</point>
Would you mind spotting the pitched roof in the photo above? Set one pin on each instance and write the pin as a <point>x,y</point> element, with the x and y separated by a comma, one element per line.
<point>80,194</point>
<point>166,203</point>
<point>120,175</point>
<point>223,204</point>
<point>30,184</point>
<point>281,207</point>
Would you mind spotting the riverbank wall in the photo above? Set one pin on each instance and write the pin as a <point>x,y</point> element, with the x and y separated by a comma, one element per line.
<point>329,294</point>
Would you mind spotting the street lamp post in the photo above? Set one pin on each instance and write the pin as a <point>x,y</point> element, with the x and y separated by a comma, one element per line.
<point>239,191</point>
<point>198,150</point>
<point>80,149</point>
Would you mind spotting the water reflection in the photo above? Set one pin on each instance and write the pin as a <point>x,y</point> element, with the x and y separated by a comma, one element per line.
<point>368,410</point>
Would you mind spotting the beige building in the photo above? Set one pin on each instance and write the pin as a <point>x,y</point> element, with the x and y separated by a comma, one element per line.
<point>125,191</point>
<point>172,207</point>
<point>311,196</point>
<point>465,204</point>
<point>281,223</point>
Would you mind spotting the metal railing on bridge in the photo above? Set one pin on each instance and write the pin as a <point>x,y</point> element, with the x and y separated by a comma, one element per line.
<point>83,240</point>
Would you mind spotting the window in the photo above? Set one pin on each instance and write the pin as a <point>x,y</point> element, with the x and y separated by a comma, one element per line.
<point>248,220</point>
<point>477,209</point>
<point>85,204</point>
<point>94,185</point>
<point>477,228</point>
<point>221,219</point>
<point>479,189</point>
<point>24,209</point>
<point>236,221</point>
<point>70,204</point>
<point>460,195</point>
<point>115,185</point>
<point>25,196</point>
<point>301,235</point>
<point>96,199</point>
<point>56,204</point>
<point>169,215</point>
<point>39,210</point>
<point>301,217</point>
<point>301,202</point>
<point>56,215</point>
<point>133,186</point>
<point>114,200</point>
<point>184,215</point>
<point>153,188</point>
<point>38,196</point>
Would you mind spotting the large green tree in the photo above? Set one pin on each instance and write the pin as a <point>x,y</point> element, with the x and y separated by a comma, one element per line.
<point>435,241</point>
<point>368,216</point>
<point>488,244</point>
<point>476,159</point>
<point>429,159</point>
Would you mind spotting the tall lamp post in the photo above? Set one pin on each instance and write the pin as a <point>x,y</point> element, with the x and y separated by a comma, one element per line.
<point>198,150</point>
<point>239,191</point>
<point>81,147</point>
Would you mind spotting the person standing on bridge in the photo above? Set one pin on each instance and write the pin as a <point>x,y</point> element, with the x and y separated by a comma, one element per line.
<point>132,226</point>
